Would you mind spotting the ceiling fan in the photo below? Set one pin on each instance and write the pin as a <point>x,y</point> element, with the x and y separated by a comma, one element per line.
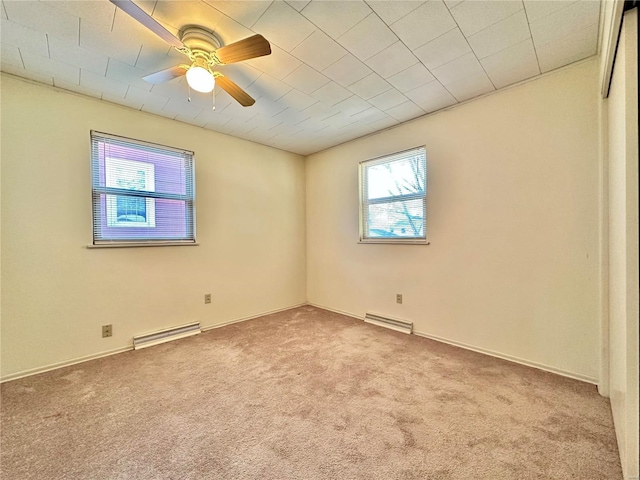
<point>205,52</point>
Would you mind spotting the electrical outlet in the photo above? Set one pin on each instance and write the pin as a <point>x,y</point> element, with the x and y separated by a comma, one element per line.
<point>398,298</point>
<point>207,298</point>
<point>107,330</point>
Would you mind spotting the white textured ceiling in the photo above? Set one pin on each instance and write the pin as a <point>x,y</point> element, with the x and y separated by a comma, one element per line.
<point>338,69</point>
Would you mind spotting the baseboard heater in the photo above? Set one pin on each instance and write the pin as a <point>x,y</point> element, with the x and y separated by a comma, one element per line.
<point>173,333</point>
<point>392,323</point>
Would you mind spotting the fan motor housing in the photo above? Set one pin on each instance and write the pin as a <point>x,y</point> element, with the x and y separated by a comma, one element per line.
<point>198,38</point>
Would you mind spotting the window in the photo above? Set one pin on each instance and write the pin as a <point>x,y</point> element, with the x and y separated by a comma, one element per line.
<point>143,193</point>
<point>393,198</point>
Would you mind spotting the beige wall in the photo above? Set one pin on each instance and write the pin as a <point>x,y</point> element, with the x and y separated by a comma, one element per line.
<point>512,217</point>
<point>57,293</point>
<point>622,107</point>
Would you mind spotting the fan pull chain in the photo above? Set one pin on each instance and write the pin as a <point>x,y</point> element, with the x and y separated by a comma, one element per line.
<point>213,99</point>
<point>188,92</point>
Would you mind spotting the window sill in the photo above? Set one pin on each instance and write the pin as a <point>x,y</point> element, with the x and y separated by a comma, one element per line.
<point>396,241</point>
<point>143,244</point>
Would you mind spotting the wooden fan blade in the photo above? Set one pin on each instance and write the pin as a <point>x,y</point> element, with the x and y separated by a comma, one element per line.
<point>148,21</point>
<point>251,47</point>
<point>166,74</point>
<point>242,97</point>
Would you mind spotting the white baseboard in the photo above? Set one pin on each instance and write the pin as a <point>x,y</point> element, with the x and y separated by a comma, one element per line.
<point>106,353</point>
<point>347,314</point>
<point>244,319</point>
<point>503,356</point>
<point>510,358</point>
<point>492,353</point>
<point>66,363</point>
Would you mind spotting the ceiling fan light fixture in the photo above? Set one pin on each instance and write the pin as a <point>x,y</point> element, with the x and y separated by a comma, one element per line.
<point>200,79</point>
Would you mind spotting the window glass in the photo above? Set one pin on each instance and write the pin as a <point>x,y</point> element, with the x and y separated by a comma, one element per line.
<point>393,197</point>
<point>141,192</point>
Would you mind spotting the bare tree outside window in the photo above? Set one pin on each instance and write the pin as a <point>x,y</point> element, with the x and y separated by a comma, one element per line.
<point>393,193</point>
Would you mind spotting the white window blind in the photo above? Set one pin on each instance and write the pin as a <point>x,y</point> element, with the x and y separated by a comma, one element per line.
<point>393,197</point>
<point>142,192</point>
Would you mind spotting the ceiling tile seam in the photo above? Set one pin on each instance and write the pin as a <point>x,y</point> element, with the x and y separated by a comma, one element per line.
<point>221,111</point>
<point>138,56</point>
<point>503,20</point>
<point>422,63</point>
<point>419,86</point>
<point>315,103</point>
<point>330,117</point>
<point>391,87</point>
<point>452,60</point>
<point>494,24</point>
<point>21,59</point>
<point>258,19</point>
<point>199,117</point>
<point>474,53</point>
<point>401,41</point>
<point>366,101</point>
<point>428,70</point>
<point>127,91</point>
<point>166,25</point>
<point>535,50</point>
<point>358,97</point>
<point>300,43</point>
<point>329,36</point>
<point>568,35</point>
<point>418,46</point>
<point>282,112</point>
<point>311,67</point>
<point>250,130</point>
<point>155,4</point>
<point>556,11</point>
<point>457,104</point>
<point>407,99</point>
<point>435,79</point>
<point>502,49</point>
<point>279,46</point>
<point>349,53</point>
<point>336,114</point>
<point>5,11</point>
<point>208,127</point>
<point>322,119</point>
<point>248,119</point>
<point>505,49</point>
<point>441,35</point>
<point>335,39</point>
<point>353,26</point>
<point>296,88</point>
<point>113,19</point>
<point>600,26</point>
<point>488,26</point>
<point>269,138</point>
<point>163,105</point>
<point>418,5</point>
<point>263,74</point>
<point>301,121</point>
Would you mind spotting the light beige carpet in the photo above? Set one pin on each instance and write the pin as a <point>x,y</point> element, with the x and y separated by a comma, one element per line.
<point>304,394</point>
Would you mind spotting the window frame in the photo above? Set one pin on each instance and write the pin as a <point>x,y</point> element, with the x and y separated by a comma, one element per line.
<point>365,202</point>
<point>97,190</point>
